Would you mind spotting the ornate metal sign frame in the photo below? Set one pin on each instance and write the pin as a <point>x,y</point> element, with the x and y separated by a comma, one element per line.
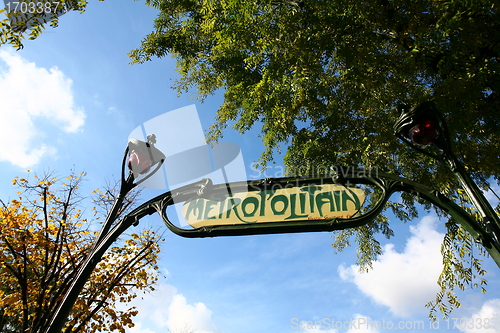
<point>384,184</point>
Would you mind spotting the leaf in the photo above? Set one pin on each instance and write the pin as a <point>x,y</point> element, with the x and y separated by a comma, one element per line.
<point>42,250</point>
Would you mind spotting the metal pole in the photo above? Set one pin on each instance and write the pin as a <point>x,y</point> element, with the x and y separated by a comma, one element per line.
<point>107,234</point>
<point>104,240</point>
<point>490,218</point>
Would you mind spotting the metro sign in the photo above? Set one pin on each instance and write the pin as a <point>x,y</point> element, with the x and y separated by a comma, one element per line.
<point>308,202</point>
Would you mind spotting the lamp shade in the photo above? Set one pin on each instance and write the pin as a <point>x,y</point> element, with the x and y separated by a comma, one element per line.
<point>424,126</point>
<point>143,155</point>
<point>424,132</point>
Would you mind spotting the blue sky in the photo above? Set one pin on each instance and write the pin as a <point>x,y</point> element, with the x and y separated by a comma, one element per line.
<point>70,100</point>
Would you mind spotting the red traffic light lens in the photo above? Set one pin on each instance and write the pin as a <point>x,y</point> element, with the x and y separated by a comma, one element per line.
<point>139,163</point>
<point>425,132</point>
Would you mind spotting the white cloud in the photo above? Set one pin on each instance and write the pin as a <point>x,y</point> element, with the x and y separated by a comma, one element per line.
<point>196,317</point>
<point>29,97</point>
<point>405,281</point>
<point>164,309</point>
<point>486,320</point>
<point>153,309</point>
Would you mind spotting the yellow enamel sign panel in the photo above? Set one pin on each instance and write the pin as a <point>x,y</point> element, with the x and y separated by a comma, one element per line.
<point>311,202</point>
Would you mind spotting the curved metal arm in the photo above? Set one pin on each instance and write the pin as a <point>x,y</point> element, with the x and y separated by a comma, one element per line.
<point>386,184</point>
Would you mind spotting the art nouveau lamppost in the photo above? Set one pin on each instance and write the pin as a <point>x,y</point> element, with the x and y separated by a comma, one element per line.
<point>140,157</point>
<point>424,129</point>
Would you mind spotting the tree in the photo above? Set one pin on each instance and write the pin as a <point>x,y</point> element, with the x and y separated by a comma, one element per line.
<point>30,17</point>
<point>44,239</point>
<point>326,80</point>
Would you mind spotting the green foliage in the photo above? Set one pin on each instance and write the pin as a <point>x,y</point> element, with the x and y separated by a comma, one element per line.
<point>326,77</point>
<point>28,18</point>
<point>325,80</point>
<point>461,269</point>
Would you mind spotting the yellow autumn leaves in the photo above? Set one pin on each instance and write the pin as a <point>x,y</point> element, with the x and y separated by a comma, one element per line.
<point>44,237</point>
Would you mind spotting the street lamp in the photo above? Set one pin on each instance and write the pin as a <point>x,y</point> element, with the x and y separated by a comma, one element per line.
<point>424,129</point>
<point>140,157</point>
